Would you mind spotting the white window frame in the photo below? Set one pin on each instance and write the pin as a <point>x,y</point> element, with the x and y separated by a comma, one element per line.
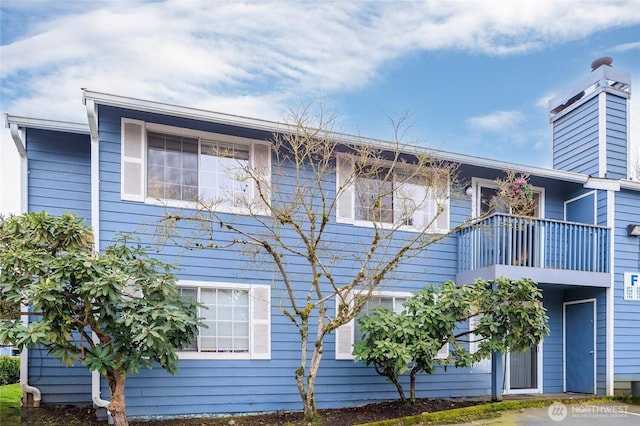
<point>482,365</point>
<point>259,321</point>
<point>345,334</point>
<point>478,183</point>
<point>259,156</point>
<point>346,203</point>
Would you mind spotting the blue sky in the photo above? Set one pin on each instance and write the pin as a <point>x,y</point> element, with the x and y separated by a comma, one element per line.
<point>474,76</point>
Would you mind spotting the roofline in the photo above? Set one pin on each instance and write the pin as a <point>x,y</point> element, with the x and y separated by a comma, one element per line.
<point>272,126</point>
<point>630,185</point>
<point>40,123</point>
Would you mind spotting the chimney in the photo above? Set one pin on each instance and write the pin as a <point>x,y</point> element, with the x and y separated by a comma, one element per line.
<point>590,123</point>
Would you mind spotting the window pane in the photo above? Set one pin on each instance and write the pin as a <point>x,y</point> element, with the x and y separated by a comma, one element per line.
<point>193,294</point>
<point>241,344</point>
<point>374,200</point>
<point>227,319</point>
<point>156,157</point>
<point>223,175</point>
<point>190,193</point>
<point>241,329</point>
<point>225,328</point>
<point>208,296</point>
<point>172,165</point>
<point>190,162</point>
<point>225,344</point>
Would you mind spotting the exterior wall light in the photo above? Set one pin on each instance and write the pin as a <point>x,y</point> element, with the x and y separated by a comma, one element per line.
<point>633,230</point>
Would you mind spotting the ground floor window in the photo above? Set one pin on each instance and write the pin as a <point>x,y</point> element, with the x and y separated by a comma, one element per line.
<point>236,320</point>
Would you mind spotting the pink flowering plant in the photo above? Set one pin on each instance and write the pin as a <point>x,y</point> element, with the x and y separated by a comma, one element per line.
<point>515,191</point>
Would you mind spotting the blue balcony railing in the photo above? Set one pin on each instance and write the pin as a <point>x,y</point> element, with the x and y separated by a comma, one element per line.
<point>503,239</point>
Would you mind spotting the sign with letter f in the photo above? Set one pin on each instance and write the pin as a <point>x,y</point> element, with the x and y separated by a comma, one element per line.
<point>632,286</point>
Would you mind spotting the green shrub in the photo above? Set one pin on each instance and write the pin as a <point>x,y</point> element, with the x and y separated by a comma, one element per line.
<point>9,370</point>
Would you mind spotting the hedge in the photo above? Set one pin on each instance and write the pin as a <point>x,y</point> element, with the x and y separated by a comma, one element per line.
<point>9,370</point>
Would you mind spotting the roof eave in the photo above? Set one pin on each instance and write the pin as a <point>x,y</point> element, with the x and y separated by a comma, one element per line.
<point>271,126</point>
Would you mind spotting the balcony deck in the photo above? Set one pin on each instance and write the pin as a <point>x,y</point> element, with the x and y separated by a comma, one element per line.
<point>547,251</point>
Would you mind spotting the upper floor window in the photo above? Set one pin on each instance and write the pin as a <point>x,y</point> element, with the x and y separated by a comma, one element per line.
<point>236,319</point>
<point>180,166</point>
<point>488,201</point>
<point>390,197</point>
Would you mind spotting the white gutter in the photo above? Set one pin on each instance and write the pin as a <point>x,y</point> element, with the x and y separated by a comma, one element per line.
<point>95,224</point>
<point>19,141</point>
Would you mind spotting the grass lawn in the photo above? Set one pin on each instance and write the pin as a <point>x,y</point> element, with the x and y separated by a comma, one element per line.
<point>10,404</point>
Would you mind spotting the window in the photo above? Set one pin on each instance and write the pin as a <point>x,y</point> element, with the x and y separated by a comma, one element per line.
<point>348,334</point>
<point>237,320</point>
<point>393,302</point>
<point>489,202</point>
<point>176,166</point>
<point>474,344</point>
<point>389,198</point>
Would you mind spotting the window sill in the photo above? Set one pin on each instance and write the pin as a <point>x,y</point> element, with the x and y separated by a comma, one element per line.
<point>389,226</point>
<point>192,205</point>
<point>214,355</point>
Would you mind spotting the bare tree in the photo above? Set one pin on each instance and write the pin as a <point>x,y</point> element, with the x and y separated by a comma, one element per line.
<point>319,178</point>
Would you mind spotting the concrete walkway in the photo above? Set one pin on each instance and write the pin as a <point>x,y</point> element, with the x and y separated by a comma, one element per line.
<point>577,414</point>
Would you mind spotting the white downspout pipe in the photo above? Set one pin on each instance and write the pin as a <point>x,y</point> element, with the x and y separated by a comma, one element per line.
<point>95,224</point>
<point>24,370</point>
<point>19,141</point>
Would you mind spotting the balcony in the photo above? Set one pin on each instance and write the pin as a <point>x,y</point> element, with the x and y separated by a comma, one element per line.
<point>547,251</point>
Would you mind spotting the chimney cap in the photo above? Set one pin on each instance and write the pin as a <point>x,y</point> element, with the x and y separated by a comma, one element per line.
<point>606,60</point>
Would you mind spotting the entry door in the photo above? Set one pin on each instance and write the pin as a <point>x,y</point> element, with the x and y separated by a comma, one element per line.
<point>580,346</point>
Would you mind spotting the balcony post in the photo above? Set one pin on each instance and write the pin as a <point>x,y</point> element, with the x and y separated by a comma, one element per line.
<point>497,375</point>
<point>497,370</point>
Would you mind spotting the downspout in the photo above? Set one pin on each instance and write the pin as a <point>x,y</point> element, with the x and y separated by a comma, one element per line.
<point>95,225</point>
<point>610,294</point>
<point>24,208</point>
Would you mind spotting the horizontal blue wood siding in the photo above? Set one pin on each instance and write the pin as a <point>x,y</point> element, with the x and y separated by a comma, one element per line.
<point>223,386</point>
<point>617,145</point>
<point>59,181</point>
<point>552,348</point>
<point>627,313</point>
<point>59,172</point>
<point>58,383</point>
<point>575,140</point>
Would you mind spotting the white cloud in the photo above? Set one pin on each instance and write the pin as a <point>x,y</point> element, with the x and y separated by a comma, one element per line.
<point>248,58</point>
<point>626,47</point>
<point>497,122</point>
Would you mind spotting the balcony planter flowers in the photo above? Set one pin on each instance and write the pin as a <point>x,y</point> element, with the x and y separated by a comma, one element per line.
<point>516,193</point>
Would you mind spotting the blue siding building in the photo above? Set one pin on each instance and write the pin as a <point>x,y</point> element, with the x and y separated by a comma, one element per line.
<point>134,159</point>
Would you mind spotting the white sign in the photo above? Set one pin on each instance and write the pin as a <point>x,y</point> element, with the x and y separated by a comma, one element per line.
<point>632,286</point>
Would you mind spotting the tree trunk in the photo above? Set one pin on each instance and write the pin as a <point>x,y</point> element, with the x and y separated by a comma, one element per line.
<point>310,412</point>
<point>301,371</point>
<point>116,407</point>
<point>395,381</point>
<point>412,385</point>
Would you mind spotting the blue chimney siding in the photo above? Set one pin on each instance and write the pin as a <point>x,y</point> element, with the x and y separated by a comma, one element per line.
<point>616,139</point>
<point>575,138</point>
